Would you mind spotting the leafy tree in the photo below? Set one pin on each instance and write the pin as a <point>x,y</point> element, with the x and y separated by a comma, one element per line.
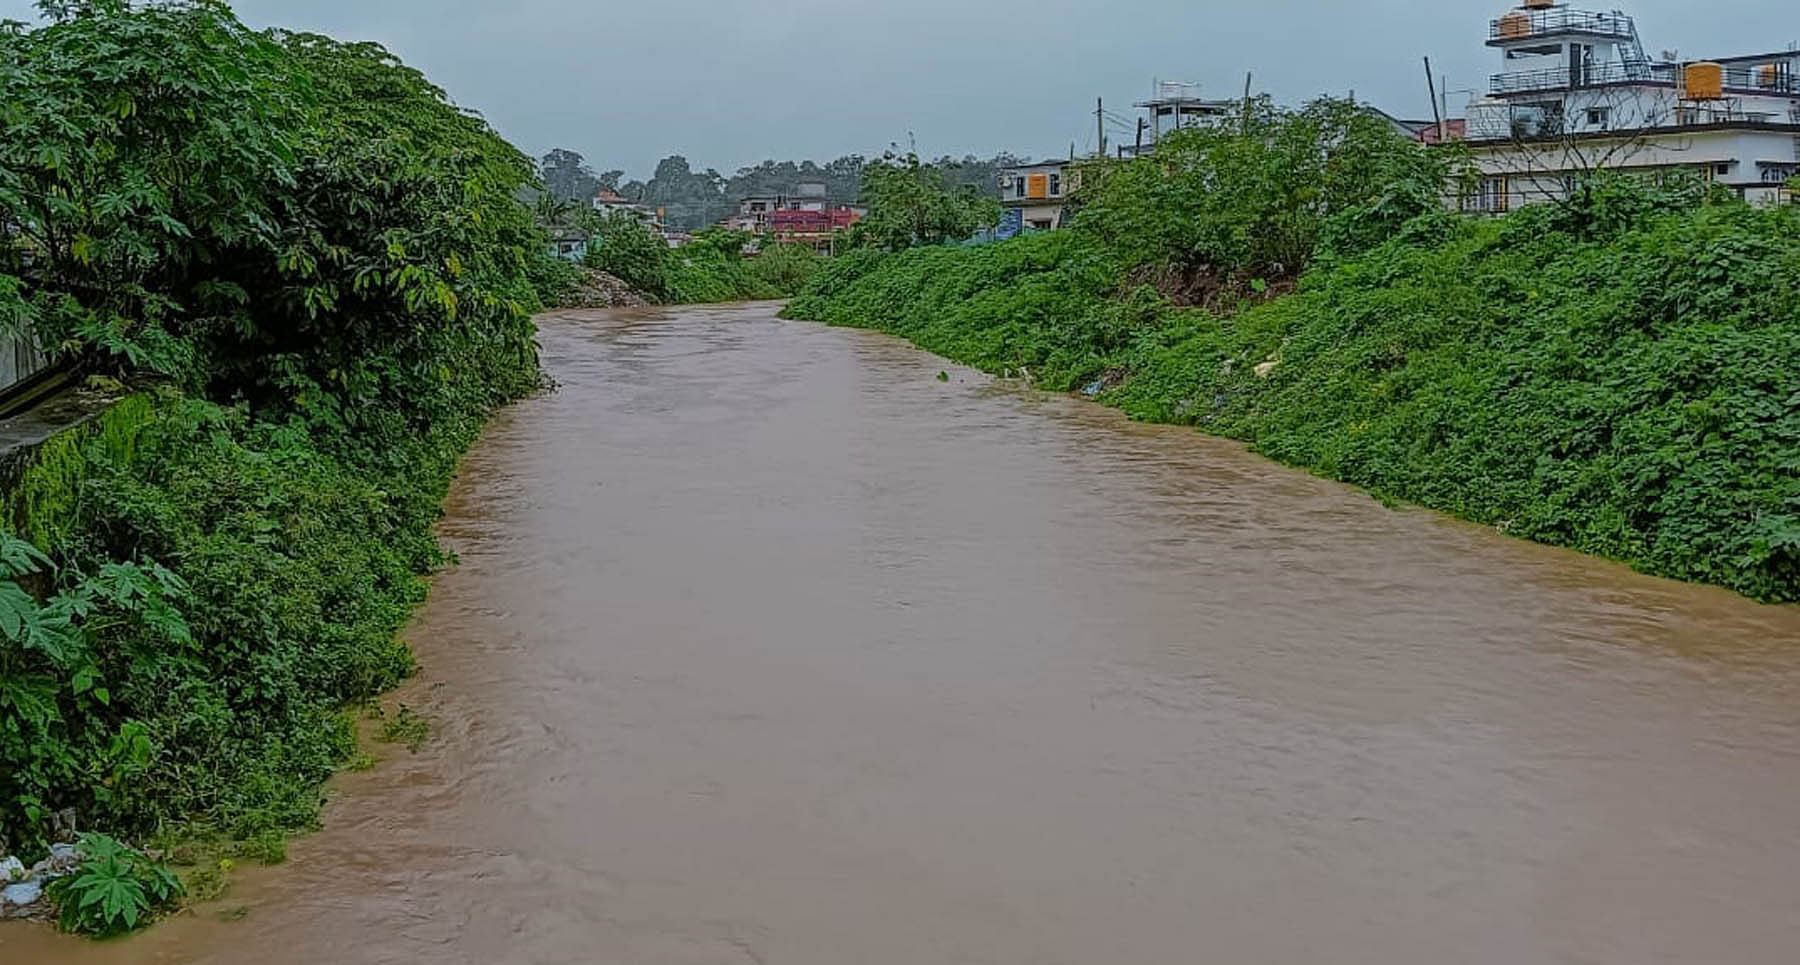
<point>711,268</point>
<point>631,251</point>
<point>909,205</point>
<point>142,146</point>
<point>690,199</point>
<point>693,200</point>
<point>315,273</point>
<point>980,175</point>
<point>554,212</point>
<point>567,177</point>
<point>842,179</point>
<point>1256,193</point>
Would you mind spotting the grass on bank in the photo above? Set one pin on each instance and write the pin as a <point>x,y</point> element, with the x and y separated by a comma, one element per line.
<point>1619,374</point>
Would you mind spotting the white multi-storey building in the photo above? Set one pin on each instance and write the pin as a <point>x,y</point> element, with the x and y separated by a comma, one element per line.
<point>1577,92</point>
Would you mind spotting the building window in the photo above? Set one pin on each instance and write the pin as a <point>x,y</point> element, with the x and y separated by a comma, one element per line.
<point>1722,169</point>
<point>1055,185</point>
<point>1542,50</point>
<point>1488,197</point>
<point>1600,117</point>
<point>1777,173</point>
<point>1018,186</point>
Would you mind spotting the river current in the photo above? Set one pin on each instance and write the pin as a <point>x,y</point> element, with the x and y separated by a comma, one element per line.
<point>767,645</point>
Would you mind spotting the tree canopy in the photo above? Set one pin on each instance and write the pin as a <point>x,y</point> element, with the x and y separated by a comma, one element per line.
<point>692,199</point>
<point>911,203</point>
<point>315,275</point>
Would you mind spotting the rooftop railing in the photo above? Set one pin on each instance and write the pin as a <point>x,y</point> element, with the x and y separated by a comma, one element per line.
<point>1748,80</point>
<point>1523,25</point>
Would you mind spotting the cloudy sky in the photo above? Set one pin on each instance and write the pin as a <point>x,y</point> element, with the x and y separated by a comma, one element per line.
<point>730,82</point>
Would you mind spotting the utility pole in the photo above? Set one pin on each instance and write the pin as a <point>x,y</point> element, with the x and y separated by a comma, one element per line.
<point>1247,76</point>
<point>1437,112</point>
<point>1100,125</point>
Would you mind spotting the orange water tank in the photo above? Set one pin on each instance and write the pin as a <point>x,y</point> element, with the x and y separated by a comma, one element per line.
<point>1539,4</point>
<point>1705,81</point>
<point>1037,186</point>
<point>1515,26</point>
<point>1768,75</point>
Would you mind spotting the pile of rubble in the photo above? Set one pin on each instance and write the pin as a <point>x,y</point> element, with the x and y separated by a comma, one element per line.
<point>22,888</point>
<point>601,290</point>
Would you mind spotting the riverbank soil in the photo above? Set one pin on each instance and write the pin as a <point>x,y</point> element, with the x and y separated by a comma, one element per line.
<point>766,645</point>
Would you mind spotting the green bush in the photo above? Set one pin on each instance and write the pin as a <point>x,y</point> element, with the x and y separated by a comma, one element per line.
<point>287,570</point>
<point>553,280</point>
<point>711,268</point>
<point>1615,373</point>
<point>1036,304</point>
<point>784,269</point>
<point>113,890</point>
<point>911,204</point>
<point>315,272</point>
<point>1257,194</point>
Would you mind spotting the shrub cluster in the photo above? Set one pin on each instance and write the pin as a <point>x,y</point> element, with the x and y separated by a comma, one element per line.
<point>313,274</point>
<point>1616,373</point>
<point>716,266</point>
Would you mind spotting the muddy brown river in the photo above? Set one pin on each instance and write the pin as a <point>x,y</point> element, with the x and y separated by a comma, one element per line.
<point>767,646</point>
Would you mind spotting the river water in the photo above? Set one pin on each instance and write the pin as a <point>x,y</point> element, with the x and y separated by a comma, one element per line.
<point>768,646</point>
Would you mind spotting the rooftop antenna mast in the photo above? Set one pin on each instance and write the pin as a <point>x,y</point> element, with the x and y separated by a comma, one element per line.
<point>1437,112</point>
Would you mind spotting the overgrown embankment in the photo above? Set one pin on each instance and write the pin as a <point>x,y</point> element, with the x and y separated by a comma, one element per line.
<point>312,276</point>
<point>1619,374</point>
<point>716,266</point>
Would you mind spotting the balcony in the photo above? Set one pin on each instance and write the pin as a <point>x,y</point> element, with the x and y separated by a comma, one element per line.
<point>1527,25</point>
<point>1742,80</point>
<point>1594,75</point>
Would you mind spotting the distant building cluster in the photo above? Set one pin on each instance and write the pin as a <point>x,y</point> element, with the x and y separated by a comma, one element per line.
<point>805,215</point>
<point>610,202</point>
<point>1576,93</point>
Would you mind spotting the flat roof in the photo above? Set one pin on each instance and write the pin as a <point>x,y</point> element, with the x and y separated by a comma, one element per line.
<point>1187,101</point>
<point>1758,58</point>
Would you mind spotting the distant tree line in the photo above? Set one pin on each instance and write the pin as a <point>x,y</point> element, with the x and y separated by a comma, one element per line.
<point>694,199</point>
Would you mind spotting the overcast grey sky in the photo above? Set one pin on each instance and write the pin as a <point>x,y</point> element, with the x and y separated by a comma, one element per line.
<point>730,82</point>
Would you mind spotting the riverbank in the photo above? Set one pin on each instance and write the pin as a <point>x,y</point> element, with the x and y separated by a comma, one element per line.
<point>804,655</point>
<point>1623,385</point>
<point>304,325</point>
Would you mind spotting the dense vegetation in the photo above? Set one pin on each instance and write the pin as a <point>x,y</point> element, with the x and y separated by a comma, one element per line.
<point>716,266</point>
<point>911,203</point>
<point>692,199</point>
<point>311,275</point>
<point>1616,373</point>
